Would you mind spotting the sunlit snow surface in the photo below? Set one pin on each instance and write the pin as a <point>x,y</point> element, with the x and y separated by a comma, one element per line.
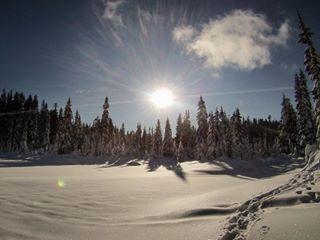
<point>94,202</point>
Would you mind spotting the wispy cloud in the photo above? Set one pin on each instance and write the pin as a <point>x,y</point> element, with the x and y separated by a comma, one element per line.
<point>111,12</point>
<point>240,40</point>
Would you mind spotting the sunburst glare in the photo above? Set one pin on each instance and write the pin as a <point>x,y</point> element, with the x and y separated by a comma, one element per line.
<point>162,98</point>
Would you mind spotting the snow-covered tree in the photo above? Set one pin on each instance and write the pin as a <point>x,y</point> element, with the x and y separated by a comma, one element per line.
<point>213,137</point>
<point>33,110</point>
<point>149,140</point>
<point>144,141</point>
<point>202,131</point>
<point>78,138</point>
<point>238,135</point>
<point>157,140</point>
<point>60,131</point>
<point>68,118</point>
<point>187,136</point>
<point>312,67</point>
<point>54,121</point>
<point>178,130</point>
<point>288,128</point>
<point>17,121</point>
<point>44,128</point>
<point>138,140</point>
<point>180,154</point>
<point>305,118</point>
<point>168,143</point>
<point>225,134</point>
<point>105,128</point>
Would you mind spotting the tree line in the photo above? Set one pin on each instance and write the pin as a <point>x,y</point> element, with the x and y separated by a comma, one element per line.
<point>27,127</point>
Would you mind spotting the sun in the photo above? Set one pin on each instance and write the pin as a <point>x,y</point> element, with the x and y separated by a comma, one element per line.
<point>162,98</point>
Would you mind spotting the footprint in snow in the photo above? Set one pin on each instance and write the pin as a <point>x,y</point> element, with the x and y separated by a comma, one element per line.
<point>265,229</point>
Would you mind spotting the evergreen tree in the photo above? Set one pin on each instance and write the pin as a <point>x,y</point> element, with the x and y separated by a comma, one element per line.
<point>78,137</point>
<point>149,140</point>
<point>60,132</point>
<point>157,140</point>
<point>3,121</point>
<point>16,120</point>
<point>178,130</point>
<point>213,136</point>
<point>97,147</point>
<point>122,133</point>
<point>105,127</point>
<point>312,67</point>
<point>187,136</point>
<point>168,143</point>
<point>305,118</point>
<point>288,128</point>
<point>238,135</point>
<point>202,131</point>
<point>180,152</point>
<point>24,134</point>
<point>138,140</point>
<point>54,126</point>
<point>144,141</point>
<point>225,134</point>
<point>43,128</point>
<point>68,118</point>
<point>33,123</point>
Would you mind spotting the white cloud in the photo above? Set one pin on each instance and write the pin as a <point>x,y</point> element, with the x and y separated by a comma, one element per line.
<point>111,12</point>
<point>183,33</point>
<point>240,40</point>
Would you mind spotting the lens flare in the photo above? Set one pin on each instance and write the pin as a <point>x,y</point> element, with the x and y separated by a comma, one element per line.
<point>61,183</point>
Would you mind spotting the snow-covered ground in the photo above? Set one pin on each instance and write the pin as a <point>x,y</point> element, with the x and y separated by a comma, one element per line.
<point>130,202</point>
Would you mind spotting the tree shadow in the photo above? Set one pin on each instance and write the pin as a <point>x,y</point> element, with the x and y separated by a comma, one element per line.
<point>32,160</point>
<point>170,164</point>
<point>253,169</point>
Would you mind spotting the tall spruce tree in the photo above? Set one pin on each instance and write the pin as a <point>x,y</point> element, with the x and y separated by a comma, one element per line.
<point>138,140</point>
<point>144,141</point>
<point>16,120</point>
<point>168,144</point>
<point>288,127</point>
<point>213,136</point>
<point>225,143</point>
<point>180,152</point>
<point>187,135</point>
<point>157,140</point>
<point>305,118</point>
<point>312,67</point>
<point>3,121</point>
<point>33,124</point>
<point>68,118</point>
<point>54,126</point>
<point>26,115</point>
<point>44,128</point>
<point>238,135</point>
<point>202,131</point>
<point>178,130</point>
<point>78,138</point>
<point>105,127</point>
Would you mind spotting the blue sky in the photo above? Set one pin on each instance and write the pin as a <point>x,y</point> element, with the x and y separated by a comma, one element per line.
<point>235,53</point>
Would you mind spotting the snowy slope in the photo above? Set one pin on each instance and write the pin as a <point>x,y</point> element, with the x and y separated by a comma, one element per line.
<point>289,211</point>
